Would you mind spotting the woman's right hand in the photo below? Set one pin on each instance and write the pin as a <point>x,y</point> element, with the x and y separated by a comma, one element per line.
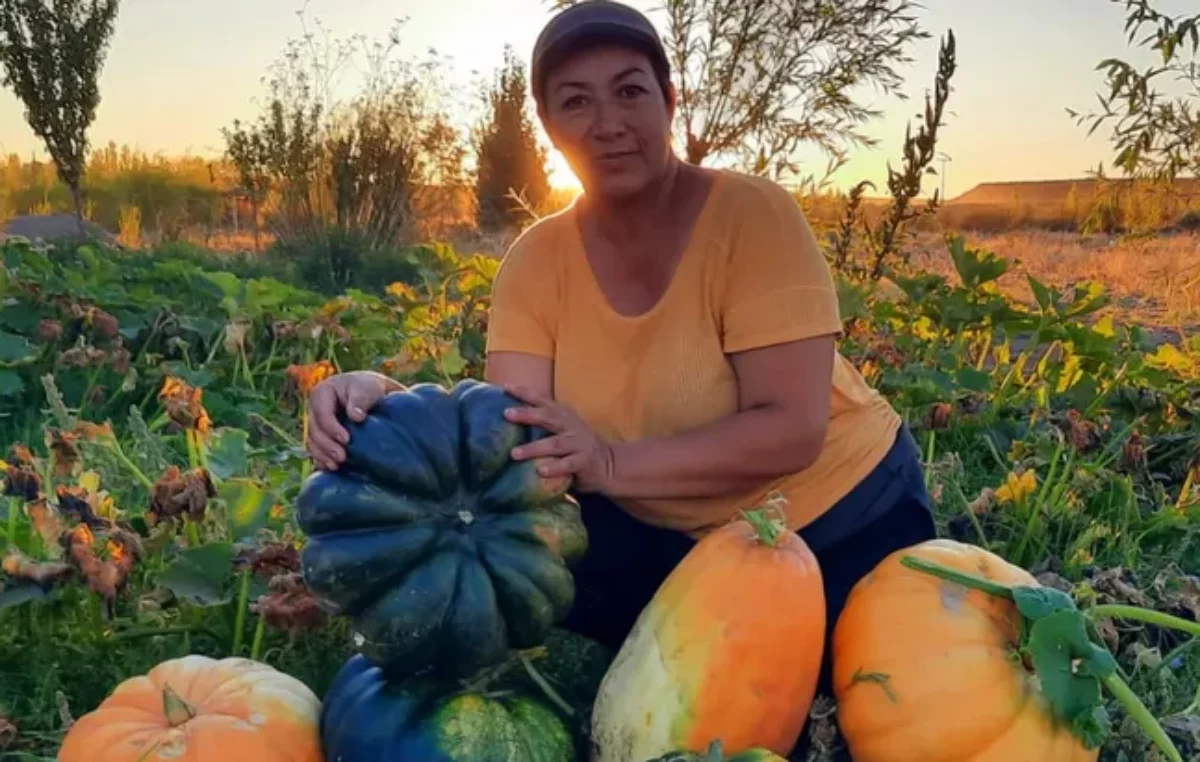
<point>356,393</point>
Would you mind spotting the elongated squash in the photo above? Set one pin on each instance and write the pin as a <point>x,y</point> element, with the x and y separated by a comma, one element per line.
<point>730,648</point>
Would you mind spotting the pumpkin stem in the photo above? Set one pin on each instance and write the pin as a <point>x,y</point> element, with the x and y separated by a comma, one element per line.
<point>768,520</point>
<point>175,708</point>
<point>716,751</point>
<point>962,578</point>
<point>544,684</point>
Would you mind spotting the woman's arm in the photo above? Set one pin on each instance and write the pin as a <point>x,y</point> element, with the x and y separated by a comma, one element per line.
<point>780,426</point>
<point>532,372</point>
<point>783,413</point>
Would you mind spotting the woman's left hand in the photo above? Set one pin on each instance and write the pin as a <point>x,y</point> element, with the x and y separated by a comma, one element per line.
<point>572,449</point>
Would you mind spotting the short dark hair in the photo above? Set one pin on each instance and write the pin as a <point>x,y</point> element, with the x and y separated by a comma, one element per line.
<point>591,23</point>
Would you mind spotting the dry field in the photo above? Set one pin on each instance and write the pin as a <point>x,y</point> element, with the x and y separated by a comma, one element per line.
<point>1154,281</point>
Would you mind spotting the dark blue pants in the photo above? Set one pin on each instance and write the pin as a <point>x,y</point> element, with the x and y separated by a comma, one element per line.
<point>627,560</point>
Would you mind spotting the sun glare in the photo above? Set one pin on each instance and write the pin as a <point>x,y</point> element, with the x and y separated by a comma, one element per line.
<point>561,175</point>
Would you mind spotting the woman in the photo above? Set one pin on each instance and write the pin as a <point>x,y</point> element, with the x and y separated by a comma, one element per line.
<point>675,331</point>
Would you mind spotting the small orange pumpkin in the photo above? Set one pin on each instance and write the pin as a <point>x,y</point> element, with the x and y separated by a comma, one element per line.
<point>923,668</point>
<point>197,709</point>
<point>729,648</point>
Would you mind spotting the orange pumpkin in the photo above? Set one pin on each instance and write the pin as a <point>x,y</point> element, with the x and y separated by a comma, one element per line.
<point>198,709</point>
<point>729,648</point>
<point>923,668</point>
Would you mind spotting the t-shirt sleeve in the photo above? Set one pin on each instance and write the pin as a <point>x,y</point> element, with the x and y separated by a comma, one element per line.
<point>777,286</point>
<point>523,316</point>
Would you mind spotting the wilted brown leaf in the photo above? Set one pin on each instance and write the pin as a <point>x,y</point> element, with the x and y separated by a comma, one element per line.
<point>63,445</point>
<point>177,493</point>
<point>1084,435</point>
<point>21,454</point>
<point>92,432</point>
<point>1114,586</point>
<point>45,574</point>
<point>984,502</point>
<point>8,732</point>
<point>121,360</point>
<point>82,505</point>
<point>46,521</point>
<point>106,325</point>
<point>285,329</point>
<point>22,481</point>
<point>1179,591</point>
<point>937,417</point>
<point>83,357</point>
<point>1133,455</point>
<point>289,605</point>
<point>49,330</point>
<point>184,404</point>
<point>105,577</point>
<point>269,559</point>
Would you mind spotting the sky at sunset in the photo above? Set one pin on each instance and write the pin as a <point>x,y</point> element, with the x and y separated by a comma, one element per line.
<point>180,70</point>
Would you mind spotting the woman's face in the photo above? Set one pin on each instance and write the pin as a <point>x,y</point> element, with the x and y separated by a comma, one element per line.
<point>606,112</point>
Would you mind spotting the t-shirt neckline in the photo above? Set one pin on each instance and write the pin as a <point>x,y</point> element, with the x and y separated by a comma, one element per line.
<point>694,240</point>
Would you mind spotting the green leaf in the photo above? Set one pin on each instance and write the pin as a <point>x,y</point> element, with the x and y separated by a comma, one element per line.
<point>1092,727</point>
<point>201,575</point>
<point>1056,641</point>
<point>1043,295</point>
<point>453,362</point>
<point>228,454</point>
<point>1037,602</point>
<point>14,348</point>
<point>21,593</point>
<point>973,380</point>
<point>11,384</point>
<point>247,505</point>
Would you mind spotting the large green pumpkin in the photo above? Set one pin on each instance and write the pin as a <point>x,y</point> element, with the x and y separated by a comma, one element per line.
<point>443,551</point>
<point>367,718</point>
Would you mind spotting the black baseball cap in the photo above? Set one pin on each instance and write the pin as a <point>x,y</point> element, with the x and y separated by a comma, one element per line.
<point>591,22</point>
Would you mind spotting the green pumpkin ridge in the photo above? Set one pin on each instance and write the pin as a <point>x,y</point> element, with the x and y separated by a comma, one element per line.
<point>443,551</point>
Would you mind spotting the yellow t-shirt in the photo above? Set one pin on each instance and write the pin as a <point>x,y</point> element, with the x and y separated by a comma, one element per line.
<point>752,275</point>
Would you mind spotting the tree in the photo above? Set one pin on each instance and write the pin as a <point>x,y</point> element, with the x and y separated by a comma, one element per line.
<point>510,160</point>
<point>760,79</point>
<point>1155,134</point>
<point>51,52</point>
<point>248,152</point>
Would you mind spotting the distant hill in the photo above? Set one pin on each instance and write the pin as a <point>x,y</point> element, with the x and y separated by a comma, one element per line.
<point>1053,192</point>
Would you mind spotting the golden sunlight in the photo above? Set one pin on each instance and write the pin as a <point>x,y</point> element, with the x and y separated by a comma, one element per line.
<point>562,177</point>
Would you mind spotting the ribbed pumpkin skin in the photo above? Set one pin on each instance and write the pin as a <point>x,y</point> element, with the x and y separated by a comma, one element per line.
<point>369,719</point>
<point>729,648</point>
<point>955,695</point>
<point>244,710</point>
<point>440,548</point>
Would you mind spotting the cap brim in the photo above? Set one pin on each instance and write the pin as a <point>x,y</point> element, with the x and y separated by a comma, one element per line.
<point>590,34</point>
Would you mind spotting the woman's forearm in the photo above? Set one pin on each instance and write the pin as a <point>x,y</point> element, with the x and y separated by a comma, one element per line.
<point>726,457</point>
